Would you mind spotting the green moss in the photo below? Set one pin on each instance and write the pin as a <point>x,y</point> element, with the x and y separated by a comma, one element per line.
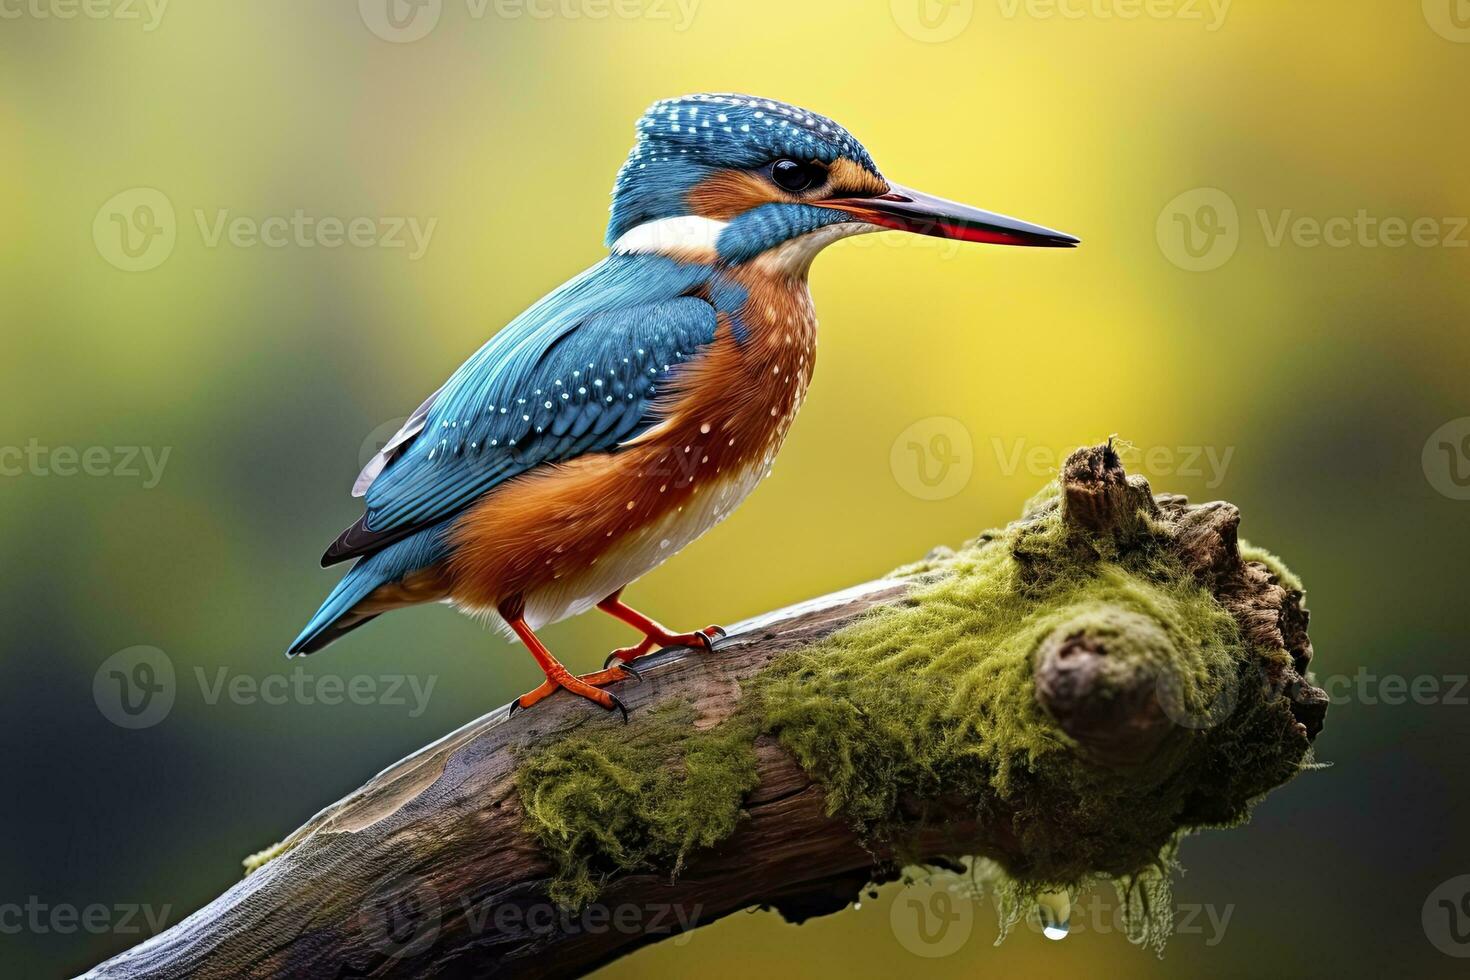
<point>1277,567</point>
<point>635,799</point>
<point>933,699</point>
<point>256,861</point>
<point>924,699</point>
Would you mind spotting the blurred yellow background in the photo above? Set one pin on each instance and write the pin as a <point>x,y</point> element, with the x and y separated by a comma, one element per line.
<point>1193,147</point>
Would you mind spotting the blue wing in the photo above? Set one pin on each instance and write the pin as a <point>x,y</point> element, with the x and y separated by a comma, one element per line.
<point>575,374</point>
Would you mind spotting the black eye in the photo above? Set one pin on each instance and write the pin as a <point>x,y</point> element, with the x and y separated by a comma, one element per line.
<point>792,176</point>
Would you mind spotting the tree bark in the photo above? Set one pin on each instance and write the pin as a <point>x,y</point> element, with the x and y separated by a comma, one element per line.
<point>426,870</point>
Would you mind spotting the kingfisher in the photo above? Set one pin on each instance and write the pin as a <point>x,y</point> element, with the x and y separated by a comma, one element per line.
<point>635,406</point>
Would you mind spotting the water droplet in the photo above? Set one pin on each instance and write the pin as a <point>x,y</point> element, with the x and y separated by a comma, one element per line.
<point>1055,910</point>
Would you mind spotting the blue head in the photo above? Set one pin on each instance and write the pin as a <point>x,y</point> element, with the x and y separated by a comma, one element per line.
<point>744,175</point>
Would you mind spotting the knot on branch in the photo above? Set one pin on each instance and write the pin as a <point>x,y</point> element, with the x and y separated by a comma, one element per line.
<point>1099,498</point>
<point>1121,709</point>
<point>1107,703</point>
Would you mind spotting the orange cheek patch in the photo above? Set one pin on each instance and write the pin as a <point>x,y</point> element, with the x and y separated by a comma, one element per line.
<point>726,193</point>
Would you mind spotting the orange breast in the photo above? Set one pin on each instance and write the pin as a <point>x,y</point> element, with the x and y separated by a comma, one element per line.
<point>596,523</point>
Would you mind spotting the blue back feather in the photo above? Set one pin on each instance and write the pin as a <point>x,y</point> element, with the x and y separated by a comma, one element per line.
<point>574,374</point>
<point>421,550</point>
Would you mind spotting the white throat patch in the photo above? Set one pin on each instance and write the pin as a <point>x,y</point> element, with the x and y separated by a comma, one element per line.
<point>682,235</point>
<point>692,236</point>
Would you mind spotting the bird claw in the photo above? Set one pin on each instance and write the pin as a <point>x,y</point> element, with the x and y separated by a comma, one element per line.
<point>588,686</point>
<point>615,660</point>
<point>623,665</point>
<point>704,639</point>
<point>617,705</point>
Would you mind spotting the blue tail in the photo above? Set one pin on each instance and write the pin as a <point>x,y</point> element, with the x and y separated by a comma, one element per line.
<point>336,619</point>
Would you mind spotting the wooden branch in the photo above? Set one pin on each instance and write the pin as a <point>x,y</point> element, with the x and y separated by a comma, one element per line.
<point>427,870</point>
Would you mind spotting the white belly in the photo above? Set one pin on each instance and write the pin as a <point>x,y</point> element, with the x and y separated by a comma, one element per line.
<point>637,554</point>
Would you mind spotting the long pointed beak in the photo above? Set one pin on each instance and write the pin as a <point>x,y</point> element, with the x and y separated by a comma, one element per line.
<point>924,214</point>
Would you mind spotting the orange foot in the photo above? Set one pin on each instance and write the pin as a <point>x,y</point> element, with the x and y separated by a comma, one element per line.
<point>587,686</point>
<point>654,635</point>
<point>558,677</point>
<point>702,640</point>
